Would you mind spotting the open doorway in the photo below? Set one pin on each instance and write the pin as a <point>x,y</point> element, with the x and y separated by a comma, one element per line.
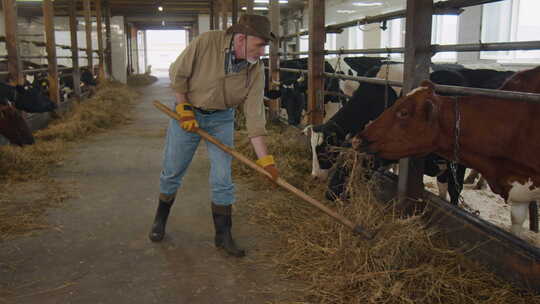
<point>163,47</point>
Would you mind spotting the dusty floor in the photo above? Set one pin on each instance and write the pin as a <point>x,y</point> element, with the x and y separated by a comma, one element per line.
<point>99,251</point>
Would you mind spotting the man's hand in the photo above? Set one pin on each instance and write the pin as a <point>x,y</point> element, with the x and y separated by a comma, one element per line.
<point>187,117</point>
<point>267,162</point>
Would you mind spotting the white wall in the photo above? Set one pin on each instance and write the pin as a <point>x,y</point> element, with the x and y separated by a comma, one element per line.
<point>469,31</point>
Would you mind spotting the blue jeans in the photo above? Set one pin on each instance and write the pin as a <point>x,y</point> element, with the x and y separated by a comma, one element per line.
<point>180,147</point>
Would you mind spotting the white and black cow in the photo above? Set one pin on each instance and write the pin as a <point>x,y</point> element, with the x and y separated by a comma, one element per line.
<point>13,126</point>
<point>29,100</point>
<point>368,103</point>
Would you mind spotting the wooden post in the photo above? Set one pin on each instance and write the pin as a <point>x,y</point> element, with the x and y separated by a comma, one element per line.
<point>195,27</point>
<point>48,21</point>
<point>416,68</point>
<point>135,50</point>
<point>297,38</point>
<point>316,62</point>
<point>88,27</point>
<point>99,31</point>
<point>108,52</point>
<point>217,12</point>
<point>249,7</point>
<point>12,45</point>
<point>234,11</point>
<point>224,15</point>
<point>127,30</point>
<point>274,105</point>
<point>285,32</point>
<point>74,49</point>
<point>145,52</point>
<point>212,13</point>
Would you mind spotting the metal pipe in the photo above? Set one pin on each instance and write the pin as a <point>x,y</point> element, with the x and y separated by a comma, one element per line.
<point>33,71</point>
<point>43,57</point>
<point>436,48</point>
<point>450,7</point>
<point>521,96</point>
<point>356,51</point>
<point>513,95</point>
<point>498,46</point>
<point>367,51</point>
<point>365,79</point>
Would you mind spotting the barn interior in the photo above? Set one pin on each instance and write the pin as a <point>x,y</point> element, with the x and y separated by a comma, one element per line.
<point>94,248</point>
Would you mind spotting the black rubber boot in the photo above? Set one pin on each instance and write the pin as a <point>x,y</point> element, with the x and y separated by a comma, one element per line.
<point>160,221</point>
<point>222,224</point>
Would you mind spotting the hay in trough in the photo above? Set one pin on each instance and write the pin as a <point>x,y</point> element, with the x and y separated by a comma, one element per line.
<point>141,80</point>
<point>407,262</point>
<point>26,169</point>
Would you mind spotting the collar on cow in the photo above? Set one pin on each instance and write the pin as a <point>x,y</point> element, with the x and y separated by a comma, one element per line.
<point>457,129</point>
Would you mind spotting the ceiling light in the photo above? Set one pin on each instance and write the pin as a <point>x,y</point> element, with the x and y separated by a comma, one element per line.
<point>343,11</point>
<point>256,8</point>
<point>160,8</point>
<point>268,1</point>
<point>367,3</point>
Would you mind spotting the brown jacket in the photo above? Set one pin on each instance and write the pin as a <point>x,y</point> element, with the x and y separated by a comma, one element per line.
<point>199,73</point>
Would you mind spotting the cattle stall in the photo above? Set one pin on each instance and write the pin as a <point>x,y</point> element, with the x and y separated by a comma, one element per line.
<point>519,257</point>
<point>68,44</point>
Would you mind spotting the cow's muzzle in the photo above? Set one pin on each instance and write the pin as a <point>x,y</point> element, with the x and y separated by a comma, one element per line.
<point>364,145</point>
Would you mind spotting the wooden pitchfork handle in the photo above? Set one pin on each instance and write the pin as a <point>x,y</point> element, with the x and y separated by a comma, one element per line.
<point>357,229</point>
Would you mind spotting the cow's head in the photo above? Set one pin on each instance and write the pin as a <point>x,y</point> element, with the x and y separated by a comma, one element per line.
<point>13,126</point>
<point>408,128</point>
<point>31,100</point>
<point>324,141</point>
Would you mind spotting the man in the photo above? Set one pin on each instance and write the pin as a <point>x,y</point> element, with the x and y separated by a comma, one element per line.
<point>216,72</point>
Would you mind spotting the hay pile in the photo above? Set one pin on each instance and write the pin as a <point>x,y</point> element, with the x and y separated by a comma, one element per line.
<point>405,263</point>
<point>26,170</point>
<point>141,79</point>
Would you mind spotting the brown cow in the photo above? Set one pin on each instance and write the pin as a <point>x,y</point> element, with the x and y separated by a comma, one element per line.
<point>13,126</point>
<point>500,138</point>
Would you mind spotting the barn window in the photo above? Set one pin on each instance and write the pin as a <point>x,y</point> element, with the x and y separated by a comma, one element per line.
<point>511,20</point>
<point>444,31</point>
<point>331,43</point>
<point>394,35</point>
<point>356,37</point>
<point>304,44</point>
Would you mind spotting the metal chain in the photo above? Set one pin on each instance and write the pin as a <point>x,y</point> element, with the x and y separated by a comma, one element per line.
<point>453,164</point>
<point>338,63</point>
<point>386,84</point>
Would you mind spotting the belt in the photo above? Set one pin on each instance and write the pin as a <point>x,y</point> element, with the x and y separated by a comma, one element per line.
<point>207,111</point>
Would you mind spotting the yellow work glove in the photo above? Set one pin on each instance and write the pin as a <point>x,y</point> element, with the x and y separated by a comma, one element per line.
<point>267,162</point>
<point>187,117</point>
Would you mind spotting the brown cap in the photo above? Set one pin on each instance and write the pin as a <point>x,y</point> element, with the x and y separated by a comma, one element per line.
<point>255,25</point>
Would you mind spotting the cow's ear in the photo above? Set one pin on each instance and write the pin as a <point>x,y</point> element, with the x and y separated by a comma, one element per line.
<point>431,110</point>
<point>428,84</point>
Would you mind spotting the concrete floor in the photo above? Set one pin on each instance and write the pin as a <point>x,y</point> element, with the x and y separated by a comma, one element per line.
<point>99,251</point>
